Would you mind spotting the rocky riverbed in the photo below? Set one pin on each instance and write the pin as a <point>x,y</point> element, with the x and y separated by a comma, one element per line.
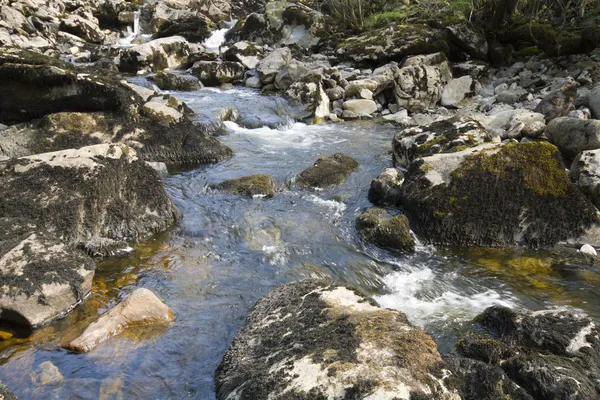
<point>238,200</point>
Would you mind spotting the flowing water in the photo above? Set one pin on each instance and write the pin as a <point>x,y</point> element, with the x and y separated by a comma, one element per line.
<point>228,251</point>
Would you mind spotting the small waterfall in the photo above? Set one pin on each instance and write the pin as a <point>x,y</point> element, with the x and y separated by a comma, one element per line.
<point>132,33</point>
<point>136,23</point>
<point>216,40</point>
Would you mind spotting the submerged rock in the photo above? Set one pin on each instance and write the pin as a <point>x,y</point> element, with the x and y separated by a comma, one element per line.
<point>255,185</point>
<point>574,135</point>
<point>327,171</point>
<point>379,227</point>
<point>46,374</point>
<point>549,354</point>
<point>318,339</point>
<point>495,195</point>
<point>446,136</point>
<point>140,307</point>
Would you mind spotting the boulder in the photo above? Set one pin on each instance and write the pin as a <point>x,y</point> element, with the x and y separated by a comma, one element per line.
<point>42,277</point>
<point>256,185</point>
<point>386,189</point>
<point>574,135</point>
<point>533,122</point>
<point>327,171</point>
<point>170,81</point>
<point>360,106</point>
<point>190,24</point>
<point>378,226</point>
<point>269,66</point>
<point>215,73</point>
<point>290,74</point>
<point>309,91</point>
<point>393,43</point>
<point>495,195</point>
<point>457,90</point>
<point>594,101</point>
<point>445,136</point>
<point>83,28</point>
<point>139,308</point>
<point>318,339</point>
<point>559,102</point>
<point>102,191</point>
<point>156,55</point>
<point>244,52</point>
<point>550,354</point>
<point>354,88</point>
<point>461,34</point>
<point>585,170</point>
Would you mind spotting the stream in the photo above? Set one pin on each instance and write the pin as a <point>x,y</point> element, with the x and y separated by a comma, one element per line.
<point>228,251</point>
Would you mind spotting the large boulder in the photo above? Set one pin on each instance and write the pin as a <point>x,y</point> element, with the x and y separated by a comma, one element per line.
<point>585,170</point>
<point>83,196</point>
<point>360,106</point>
<point>594,101</point>
<point>269,66</point>
<point>327,171</point>
<point>42,277</point>
<point>393,43</point>
<point>495,195</point>
<point>310,92</point>
<point>457,90</point>
<point>550,354</point>
<point>169,81</point>
<point>446,136</point>
<point>83,28</point>
<point>156,55</point>
<point>378,226</point>
<point>141,307</point>
<point>559,102</point>
<point>574,135</point>
<point>318,339</point>
<point>386,189</point>
<point>190,24</point>
<point>244,52</point>
<point>290,74</point>
<point>215,73</point>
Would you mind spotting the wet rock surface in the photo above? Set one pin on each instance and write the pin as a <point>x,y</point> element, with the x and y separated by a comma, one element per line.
<point>327,171</point>
<point>378,226</point>
<point>315,339</point>
<point>255,185</point>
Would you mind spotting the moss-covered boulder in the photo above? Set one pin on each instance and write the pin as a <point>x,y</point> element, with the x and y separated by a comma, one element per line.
<point>393,43</point>
<point>545,36</point>
<point>317,339</point>
<point>543,355</point>
<point>186,22</point>
<point>255,185</point>
<point>446,136</point>
<point>495,195</point>
<point>386,189</point>
<point>378,226</point>
<point>327,171</point>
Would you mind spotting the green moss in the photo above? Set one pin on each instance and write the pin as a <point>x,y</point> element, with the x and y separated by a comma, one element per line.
<point>254,185</point>
<point>382,19</point>
<point>439,214</point>
<point>528,51</point>
<point>380,228</point>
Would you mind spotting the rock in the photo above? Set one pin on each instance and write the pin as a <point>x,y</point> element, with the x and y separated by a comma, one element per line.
<point>246,53</point>
<point>594,101</point>
<point>171,52</point>
<point>310,92</point>
<point>140,307</point>
<point>585,170</point>
<point>42,277</point>
<point>394,43</point>
<point>360,106</point>
<point>533,122</point>
<point>170,81</point>
<point>548,354</point>
<point>100,191</point>
<point>159,110</point>
<point>269,66</point>
<point>462,35</point>
<point>386,189</point>
<point>559,102</point>
<point>5,394</point>
<point>482,195</point>
<point>215,73</point>
<point>512,96</point>
<point>290,74</point>
<point>327,171</point>
<point>457,90</point>
<point>253,82</point>
<point>589,250</point>
<point>573,135</point>
<point>349,115</point>
<point>83,28</point>
<point>186,23</point>
<point>46,374</point>
<point>336,93</point>
<point>384,230</point>
<point>445,136</point>
<point>354,88</point>
<point>260,185</point>
<point>318,339</point>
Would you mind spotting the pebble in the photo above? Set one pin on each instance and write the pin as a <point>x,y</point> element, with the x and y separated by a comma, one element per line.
<point>589,250</point>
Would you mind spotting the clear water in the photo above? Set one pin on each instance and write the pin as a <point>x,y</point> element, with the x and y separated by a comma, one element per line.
<point>228,251</point>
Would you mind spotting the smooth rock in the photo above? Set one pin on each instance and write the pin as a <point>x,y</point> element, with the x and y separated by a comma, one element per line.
<point>327,171</point>
<point>573,135</point>
<point>360,106</point>
<point>255,185</point>
<point>457,90</point>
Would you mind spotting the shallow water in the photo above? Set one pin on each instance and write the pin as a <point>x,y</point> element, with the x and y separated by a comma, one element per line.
<point>228,251</point>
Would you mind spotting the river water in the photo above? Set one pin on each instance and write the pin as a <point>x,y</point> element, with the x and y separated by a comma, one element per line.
<point>228,251</point>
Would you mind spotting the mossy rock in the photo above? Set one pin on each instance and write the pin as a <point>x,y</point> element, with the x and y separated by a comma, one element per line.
<point>553,43</point>
<point>377,226</point>
<point>496,195</point>
<point>327,171</point>
<point>254,185</point>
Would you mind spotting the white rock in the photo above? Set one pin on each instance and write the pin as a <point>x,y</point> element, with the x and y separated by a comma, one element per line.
<point>587,249</point>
